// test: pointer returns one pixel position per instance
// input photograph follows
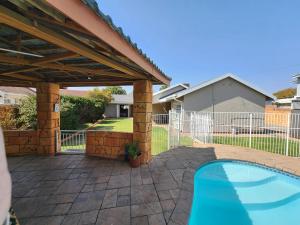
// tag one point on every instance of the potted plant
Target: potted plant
(134, 155)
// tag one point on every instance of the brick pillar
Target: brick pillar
(48, 120)
(142, 117)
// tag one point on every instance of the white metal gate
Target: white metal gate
(174, 129)
(202, 127)
(71, 141)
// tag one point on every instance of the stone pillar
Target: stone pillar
(48, 121)
(142, 117)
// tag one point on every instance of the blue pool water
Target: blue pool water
(237, 193)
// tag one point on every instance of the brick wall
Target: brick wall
(107, 144)
(20, 142)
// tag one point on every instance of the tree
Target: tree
(27, 117)
(100, 97)
(116, 90)
(285, 93)
(162, 87)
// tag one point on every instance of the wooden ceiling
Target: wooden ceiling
(39, 43)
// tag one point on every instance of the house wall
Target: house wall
(111, 110)
(105, 144)
(20, 142)
(226, 95)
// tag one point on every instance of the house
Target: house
(120, 106)
(13, 95)
(159, 105)
(227, 93)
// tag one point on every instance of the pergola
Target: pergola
(53, 44)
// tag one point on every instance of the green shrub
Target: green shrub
(74, 110)
(27, 115)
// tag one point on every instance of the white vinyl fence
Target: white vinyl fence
(273, 132)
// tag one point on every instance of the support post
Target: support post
(48, 117)
(142, 117)
(288, 134)
(250, 131)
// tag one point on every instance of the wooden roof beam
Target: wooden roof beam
(89, 20)
(20, 22)
(37, 64)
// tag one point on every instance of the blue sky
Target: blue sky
(196, 40)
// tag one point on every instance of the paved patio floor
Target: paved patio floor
(74, 189)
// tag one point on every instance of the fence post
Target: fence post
(179, 128)
(250, 131)
(169, 130)
(288, 134)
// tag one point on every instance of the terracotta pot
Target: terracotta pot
(134, 163)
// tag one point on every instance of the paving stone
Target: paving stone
(72, 219)
(136, 178)
(71, 186)
(87, 188)
(100, 186)
(123, 200)
(157, 219)
(110, 199)
(167, 215)
(27, 207)
(143, 194)
(64, 198)
(175, 193)
(142, 220)
(87, 201)
(53, 210)
(88, 217)
(164, 195)
(167, 205)
(53, 220)
(145, 209)
(118, 181)
(124, 191)
(114, 216)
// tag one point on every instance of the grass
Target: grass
(269, 144)
(159, 134)
(120, 124)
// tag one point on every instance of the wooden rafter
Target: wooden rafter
(18, 21)
(38, 64)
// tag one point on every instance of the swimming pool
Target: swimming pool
(240, 193)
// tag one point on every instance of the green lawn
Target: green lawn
(159, 134)
(120, 124)
(269, 144)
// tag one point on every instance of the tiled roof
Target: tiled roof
(17, 90)
(77, 93)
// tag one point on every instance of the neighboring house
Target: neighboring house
(159, 105)
(283, 103)
(13, 95)
(120, 106)
(227, 93)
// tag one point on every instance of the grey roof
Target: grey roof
(122, 99)
(94, 6)
(228, 75)
(209, 82)
(157, 96)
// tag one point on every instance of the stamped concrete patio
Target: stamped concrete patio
(74, 189)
